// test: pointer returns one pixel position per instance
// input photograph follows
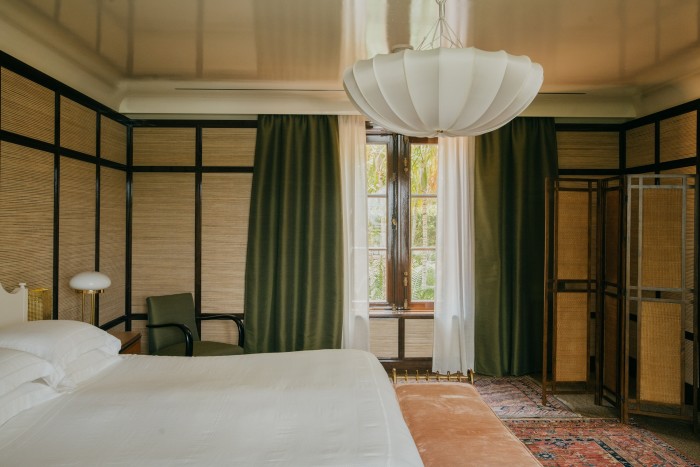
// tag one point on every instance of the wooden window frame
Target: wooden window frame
(398, 242)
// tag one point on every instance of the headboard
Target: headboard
(13, 306)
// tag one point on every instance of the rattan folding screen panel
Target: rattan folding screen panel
(571, 285)
(609, 330)
(660, 318)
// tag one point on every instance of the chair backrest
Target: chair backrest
(177, 308)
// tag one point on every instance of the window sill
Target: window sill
(388, 313)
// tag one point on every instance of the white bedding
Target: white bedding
(314, 408)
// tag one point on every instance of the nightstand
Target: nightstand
(131, 341)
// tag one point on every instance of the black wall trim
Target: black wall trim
(198, 226)
(32, 143)
(662, 115)
(192, 168)
(128, 220)
(227, 169)
(98, 178)
(576, 172)
(56, 201)
(20, 140)
(113, 323)
(157, 168)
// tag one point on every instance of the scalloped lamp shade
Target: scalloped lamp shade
(443, 91)
(90, 281)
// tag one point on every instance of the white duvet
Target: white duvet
(314, 408)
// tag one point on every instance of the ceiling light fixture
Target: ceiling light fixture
(443, 91)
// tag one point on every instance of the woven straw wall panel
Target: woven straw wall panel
(228, 146)
(633, 237)
(419, 338)
(112, 140)
(164, 146)
(690, 238)
(571, 345)
(26, 217)
(681, 170)
(140, 326)
(678, 136)
(612, 236)
(78, 127)
(225, 207)
(162, 236)
(660, 352)
(610, 351)
(640, 146)
(572, 235)
(689, 225)
(384, 337)
(26, 108)
(76, 232)
(661, 235)
(588, 150)
(113, 241)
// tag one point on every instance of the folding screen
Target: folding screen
(571, 287)
(660, 309)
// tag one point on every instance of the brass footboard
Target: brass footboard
(429, 376)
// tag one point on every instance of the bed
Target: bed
(68, 399)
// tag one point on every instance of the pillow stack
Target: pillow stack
(40, 359)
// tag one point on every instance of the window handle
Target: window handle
(405, 290)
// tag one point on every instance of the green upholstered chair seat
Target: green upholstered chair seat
(203, 349)
(172, 322)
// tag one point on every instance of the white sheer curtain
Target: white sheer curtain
(351, 135)
(453, 343)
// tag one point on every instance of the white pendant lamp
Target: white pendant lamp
(444, 91)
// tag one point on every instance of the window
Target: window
(402, 220)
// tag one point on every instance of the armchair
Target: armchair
(172, 329)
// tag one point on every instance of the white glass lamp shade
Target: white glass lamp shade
(90, 281)
(443, 91)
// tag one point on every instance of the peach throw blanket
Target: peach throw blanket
(453, 426)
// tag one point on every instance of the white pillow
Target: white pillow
(60, 342)
(17, 367)
(85, 367)
(24, 397)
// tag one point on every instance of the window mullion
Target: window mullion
(403, 207)
(393, 230)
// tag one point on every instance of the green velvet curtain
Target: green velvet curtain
(510, 170)
(293, 291)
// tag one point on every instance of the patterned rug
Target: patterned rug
(520, 397)
(595, 442)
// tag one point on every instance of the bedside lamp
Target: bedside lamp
(89, 283)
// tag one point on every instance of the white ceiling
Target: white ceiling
(616, 59)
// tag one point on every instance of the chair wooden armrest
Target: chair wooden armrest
(189, 345)
(234, 318)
